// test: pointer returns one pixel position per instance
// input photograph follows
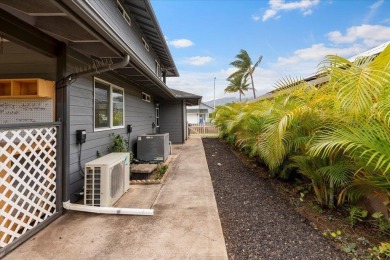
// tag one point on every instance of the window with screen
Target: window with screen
(108, 106)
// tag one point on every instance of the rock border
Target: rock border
(169, 161)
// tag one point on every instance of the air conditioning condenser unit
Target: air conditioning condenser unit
(106, 179)
(153, 147)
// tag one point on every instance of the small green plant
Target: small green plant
(120, 144)
(161, 169)
(98, 155)
(356, 215)
(334, 235)
(382, 224)
(363, 241)
(349, 248)
(382, 251)
(316, 207)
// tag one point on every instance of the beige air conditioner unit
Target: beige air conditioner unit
(106, 179)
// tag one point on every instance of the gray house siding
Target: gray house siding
(108, 10)
(75, 102)
(171, 120)
(138, 113)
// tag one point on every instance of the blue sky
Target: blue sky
(293, 36)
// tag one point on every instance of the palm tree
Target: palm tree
(238, 84)
(336, 135)
(245, 67)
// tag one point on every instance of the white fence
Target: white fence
(206, 129)
(28, 180)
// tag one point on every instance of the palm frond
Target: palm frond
(369, 142)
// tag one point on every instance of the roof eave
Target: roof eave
(158, 28)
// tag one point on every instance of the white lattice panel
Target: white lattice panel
(16, 111)
(27, 180)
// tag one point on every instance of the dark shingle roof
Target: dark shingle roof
(191, 99)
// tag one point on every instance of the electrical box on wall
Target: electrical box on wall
(81, 136)
(129, 129)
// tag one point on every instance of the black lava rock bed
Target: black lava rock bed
(257, 222)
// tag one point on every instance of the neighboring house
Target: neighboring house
(94, 65)
(318, 80)
(199, 114)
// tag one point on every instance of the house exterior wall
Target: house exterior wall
(138, 113)
(171, 120)
(192, 118)
(76, 100)
(195, 112)
(108, 10)
(203, 106)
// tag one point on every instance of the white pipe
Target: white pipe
(108, 210)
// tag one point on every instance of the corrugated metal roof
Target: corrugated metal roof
(370, 52)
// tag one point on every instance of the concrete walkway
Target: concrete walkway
(186, 224)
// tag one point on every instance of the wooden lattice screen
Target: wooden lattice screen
(27, 180)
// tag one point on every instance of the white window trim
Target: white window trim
(112, 86)
(146, 45)
(157, 117)
(123, 12)
(148, 99)
(158, 68)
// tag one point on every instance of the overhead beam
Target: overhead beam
(64, 27)
(27, 35)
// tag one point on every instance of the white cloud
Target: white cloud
(316, 53)
(355, 40)
(199, 60)
(305, 6)
(202, 83)
(181, 43)
(256, 18)
(305, 62)
(369, 35)
(269, 14)
(372, 10)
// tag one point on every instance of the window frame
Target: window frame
(111, 106)
(123, 12)
(147, 97)
(158, 68)
(157, 116)
(146, 45)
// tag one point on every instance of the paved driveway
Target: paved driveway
(186, 224)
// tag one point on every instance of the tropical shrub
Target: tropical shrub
(120, 144)
(337, 135)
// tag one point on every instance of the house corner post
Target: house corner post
(62, 114)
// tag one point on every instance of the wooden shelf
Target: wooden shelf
(26, 88)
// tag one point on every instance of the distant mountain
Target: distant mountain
(223, 101)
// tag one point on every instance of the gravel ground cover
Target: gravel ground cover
(257, 222)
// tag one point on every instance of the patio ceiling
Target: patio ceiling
(54, 18)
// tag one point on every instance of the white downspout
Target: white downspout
(108, 210)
